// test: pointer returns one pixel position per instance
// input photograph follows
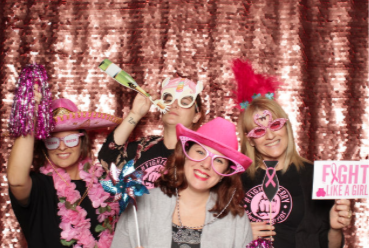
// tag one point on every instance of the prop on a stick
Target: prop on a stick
(24, 114)
(125, 185)
(270, 184)
(260, 243)
(126, 80)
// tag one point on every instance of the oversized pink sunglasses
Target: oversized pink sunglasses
(220, 164)
(273, 125)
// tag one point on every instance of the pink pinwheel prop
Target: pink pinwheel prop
(125, 185)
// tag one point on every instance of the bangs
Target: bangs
(261, 104)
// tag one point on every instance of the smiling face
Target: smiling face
(64, 156)
(200, 175)
(273, 145)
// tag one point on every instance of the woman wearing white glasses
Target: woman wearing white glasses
(198, 199)
(150, 153)
(54, 186)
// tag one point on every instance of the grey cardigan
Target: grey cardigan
(155, 224)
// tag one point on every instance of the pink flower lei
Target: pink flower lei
(74, 225)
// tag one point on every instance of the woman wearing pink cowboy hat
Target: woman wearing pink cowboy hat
(151, 153)
(54, 186)
(198, 199)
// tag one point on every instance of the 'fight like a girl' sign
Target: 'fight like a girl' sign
(341, 180)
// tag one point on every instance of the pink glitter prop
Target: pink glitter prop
(260, 243)
(23, 116)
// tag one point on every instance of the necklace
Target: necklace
(199, 227)
(52, 165)
(87, 189)
(75, 226)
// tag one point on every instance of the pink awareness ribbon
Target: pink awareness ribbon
(334, 170)
(270, 177)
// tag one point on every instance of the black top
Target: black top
(149, 153)
(185, 238)
(314, 226)
(287, 205)
(39, 219)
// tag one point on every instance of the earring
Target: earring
(220, 179)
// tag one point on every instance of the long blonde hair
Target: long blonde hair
(246, 124)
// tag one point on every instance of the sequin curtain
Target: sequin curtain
(318, 48)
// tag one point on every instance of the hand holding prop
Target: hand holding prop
(25, 115)
(126, 80)
(270, 184)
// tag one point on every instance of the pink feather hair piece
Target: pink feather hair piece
(250, 84)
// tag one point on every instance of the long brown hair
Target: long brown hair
(172, 177)
(246, 124)
(40, 150)
(201, 111)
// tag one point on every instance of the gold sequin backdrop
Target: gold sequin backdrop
(318, 48)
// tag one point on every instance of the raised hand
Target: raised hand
(141, 105)
(37, 95)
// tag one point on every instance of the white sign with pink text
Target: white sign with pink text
(341, 180)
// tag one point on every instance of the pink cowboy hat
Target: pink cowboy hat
(220, 135)
(68, 118)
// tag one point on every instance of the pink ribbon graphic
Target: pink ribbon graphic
(334, 170)
(270, 177)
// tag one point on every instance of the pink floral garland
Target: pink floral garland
(75, 227)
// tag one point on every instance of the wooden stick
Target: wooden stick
(270, 216)
(138, 233)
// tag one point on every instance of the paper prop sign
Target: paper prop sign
(126, 80)
(270, 182)
(341, 180)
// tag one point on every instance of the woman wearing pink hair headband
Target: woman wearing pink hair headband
(278, 184)
(150, 153)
